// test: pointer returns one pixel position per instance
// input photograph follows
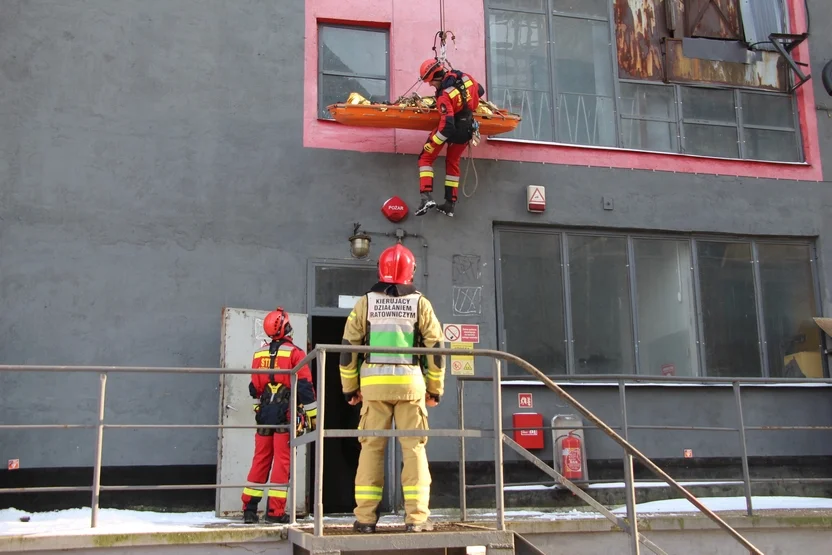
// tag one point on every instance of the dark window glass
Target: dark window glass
(729, 312)
(792, 337)
(518, 76)
(601, 321)
(333, 281)
(666, 308)
(351, 60)
(532, 288)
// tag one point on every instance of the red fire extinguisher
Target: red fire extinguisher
(571, 458)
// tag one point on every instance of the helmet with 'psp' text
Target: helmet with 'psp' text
(431, 69)
(276, 324)
(396, 265)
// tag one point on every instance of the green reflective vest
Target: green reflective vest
(392, 322)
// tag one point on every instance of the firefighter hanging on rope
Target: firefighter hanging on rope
(457, 98)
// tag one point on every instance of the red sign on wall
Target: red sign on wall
(524, 400)
(470, 333)
(14, 464)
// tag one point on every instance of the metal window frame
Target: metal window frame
(322, 73)
(681, 143)
(700, 368)
(613, 60)
(487, 9)
(498, 231)
(816, 290)
(312, 309)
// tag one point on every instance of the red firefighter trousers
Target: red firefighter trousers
(429, 155)
(270, 453)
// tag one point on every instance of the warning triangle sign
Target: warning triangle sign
(468, 366)
(537, 196)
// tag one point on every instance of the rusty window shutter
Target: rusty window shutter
(716, 19)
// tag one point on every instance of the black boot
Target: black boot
(447, 208)
(277, 519)
(364, 528)
(250, 517)
(427, 204)
(424, 527)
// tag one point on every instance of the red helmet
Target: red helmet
(276, 324)
(430, 70)
(396, 265)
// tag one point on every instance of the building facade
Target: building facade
(160, 161)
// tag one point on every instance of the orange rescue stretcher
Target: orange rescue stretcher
(417, 113)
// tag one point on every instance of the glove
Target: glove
(431, 399)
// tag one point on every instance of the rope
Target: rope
(469, 165)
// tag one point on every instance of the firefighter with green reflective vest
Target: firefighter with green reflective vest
(392, 386)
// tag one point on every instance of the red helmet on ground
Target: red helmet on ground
(396, 265)
(430, 70)
(276, 324)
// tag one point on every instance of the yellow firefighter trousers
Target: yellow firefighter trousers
(369, 479)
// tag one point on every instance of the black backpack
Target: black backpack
(275, 399)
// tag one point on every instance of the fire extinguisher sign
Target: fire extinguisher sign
(524, 400)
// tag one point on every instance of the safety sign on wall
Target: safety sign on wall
(462, 336)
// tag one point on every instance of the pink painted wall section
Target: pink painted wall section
(412, 27)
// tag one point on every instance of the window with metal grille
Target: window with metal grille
(352, 59)
(555, 63)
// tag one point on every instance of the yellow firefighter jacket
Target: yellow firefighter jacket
(392, 315)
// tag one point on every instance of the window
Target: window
(554, 63)
(656, 304)
(666, 307)
(729, 310)
(600, 295)
(351, 59)
(539, 333)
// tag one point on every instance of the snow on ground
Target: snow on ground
(109, 521)
(730, 504)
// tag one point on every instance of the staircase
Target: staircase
(458, 539)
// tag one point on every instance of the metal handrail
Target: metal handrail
(630, 450)
(319, 354)
(622, 381)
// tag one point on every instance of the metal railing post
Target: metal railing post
(746, 474)
(99, 444)
(293, 450)
(463, 501)
(629, 484)
(498, 446)
(319, 446)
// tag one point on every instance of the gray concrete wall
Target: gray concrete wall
(151, 172)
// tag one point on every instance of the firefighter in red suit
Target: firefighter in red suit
(271, 446)
(457, 98)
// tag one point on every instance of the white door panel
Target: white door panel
(242, 335)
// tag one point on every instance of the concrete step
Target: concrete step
(445, 540)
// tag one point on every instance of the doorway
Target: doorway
(340, 454)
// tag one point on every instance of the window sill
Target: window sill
(680, 155)
(646, 381)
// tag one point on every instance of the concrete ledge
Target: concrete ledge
(768, 520)
(93, 540)
(776, 526)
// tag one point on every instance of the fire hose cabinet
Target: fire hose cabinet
(524, 429)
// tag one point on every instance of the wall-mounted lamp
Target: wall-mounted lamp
(359, 242)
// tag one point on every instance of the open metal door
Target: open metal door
(242, 335)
